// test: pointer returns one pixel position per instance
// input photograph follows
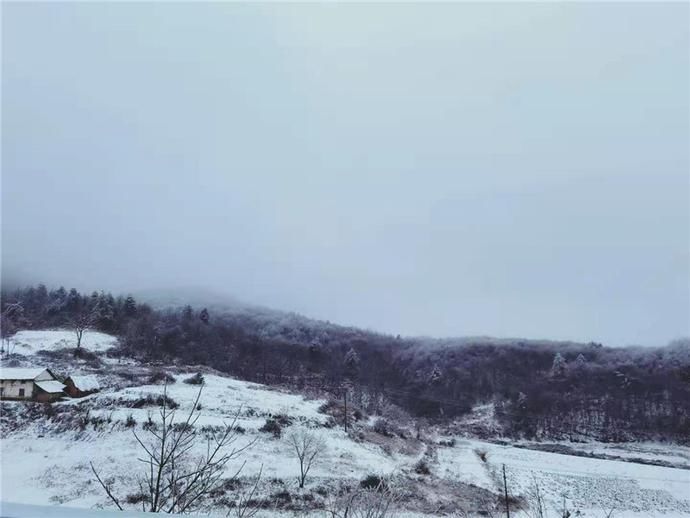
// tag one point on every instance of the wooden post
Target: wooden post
(505, 491)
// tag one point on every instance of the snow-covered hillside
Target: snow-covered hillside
(46, 453)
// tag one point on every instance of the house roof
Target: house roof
(52, 387)
(85, 383)
(16, 374)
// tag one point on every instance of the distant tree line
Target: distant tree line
(538, 388)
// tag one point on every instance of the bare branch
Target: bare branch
(106, 487)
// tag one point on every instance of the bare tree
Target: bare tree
(364, 503)
(307, 447)
(81, 322)
(245, 506)
(174, 479)
(11, 315)
(535, 496)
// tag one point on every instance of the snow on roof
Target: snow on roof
(86, 383)
(20, 374)
(50, 386)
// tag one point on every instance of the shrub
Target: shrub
(98, 422)
(180, 427)
(283, 420)
(373, 481)
(136, 498)
(151, 400)
(130, 422)
(482, 454)
(83, 420)
(149, 425)
(328, 407)
(422, 468)
(197, 379)
(160, 377)
(48, 410)
(450, 443)
(282, 497)
(384, 427)
(272, 426)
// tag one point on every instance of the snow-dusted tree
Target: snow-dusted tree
(436, 375)
(81, 322)
(73, 302)
(580, 361)
(175, 479)
(559, 365)
(351, 362)
(103, 311)
(12, 315)
(307, 447)
(204, 316)
(129, 307)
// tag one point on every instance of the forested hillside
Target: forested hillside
(538, 388)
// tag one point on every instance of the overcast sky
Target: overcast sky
(508, 170)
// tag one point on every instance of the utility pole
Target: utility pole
(345, 400)
(505, 491)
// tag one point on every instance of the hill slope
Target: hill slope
(49, 448)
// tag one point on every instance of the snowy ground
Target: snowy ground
(30, 342)
(45, 465)
(585, 483)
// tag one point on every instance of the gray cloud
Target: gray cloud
(514, 170)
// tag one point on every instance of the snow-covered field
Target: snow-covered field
(30, 342)
(585, 483)
(44, 466)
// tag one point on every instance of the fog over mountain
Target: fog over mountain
(442, 170)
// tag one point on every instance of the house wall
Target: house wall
(44, 397)
(71, 390)
(12, 389)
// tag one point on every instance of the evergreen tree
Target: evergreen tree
(436, 375)
(559, 364)
(351, 363)
(130, 306)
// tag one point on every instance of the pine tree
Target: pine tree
(580, 361)
(559, 364)
(130, 306)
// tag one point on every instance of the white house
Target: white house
(33, 383)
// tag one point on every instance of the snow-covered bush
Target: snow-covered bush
(197, 379)
(151, 400)
(373, 481)
(273, 427)
(161, 377)
(422, 467)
